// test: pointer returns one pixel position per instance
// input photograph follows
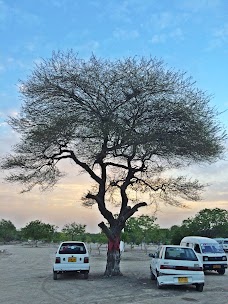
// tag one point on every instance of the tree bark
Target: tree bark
(113, 258)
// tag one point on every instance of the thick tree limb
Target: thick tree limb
(131, 211)
(106, 230)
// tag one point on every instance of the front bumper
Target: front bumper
(215, 266)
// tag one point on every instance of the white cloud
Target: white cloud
(125, 34)
(222, 33)
(177, 34)
(162, 37)
(220, 36)
(197, 6)
(165, 20)
(13, 63)
(159, 38)
(5, 12)
(2, 68)
(13, 13)
(88, 47)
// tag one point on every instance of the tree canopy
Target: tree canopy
(212, 223)
(74, 230)
(37, 230)
(7, 230)
(208, 222)
(141, 229)
(126, 123)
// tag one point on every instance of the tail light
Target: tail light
(57, 260)
(86, 260)
(196, 268)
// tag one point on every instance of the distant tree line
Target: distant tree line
(138, 230)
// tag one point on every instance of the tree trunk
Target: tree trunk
(113, 258)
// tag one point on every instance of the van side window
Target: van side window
(197, 248)
(187, 244)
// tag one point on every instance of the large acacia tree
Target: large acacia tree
(126, 123)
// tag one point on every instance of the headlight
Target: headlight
(224, 258)
(205, 258)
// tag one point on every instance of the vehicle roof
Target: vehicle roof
(72, 242)
(200, 239)
(178, 246)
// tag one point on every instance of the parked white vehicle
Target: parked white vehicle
(71, 256)
(209, 252)
(220, 241)
(177, 265)
(225, 244)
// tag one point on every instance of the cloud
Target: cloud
(90, 46)
(176, 35)
(5, 12)
(14, 13)
(125, 34)
(13, 63)
(159, 38)
(219, 37)
(59, 207)
(166, 26)
(198, 6)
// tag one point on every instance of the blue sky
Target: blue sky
(190, 35)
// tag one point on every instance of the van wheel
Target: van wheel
(199, 287)
(54, 275)
(221, 271)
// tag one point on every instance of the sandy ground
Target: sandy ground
(26, 277)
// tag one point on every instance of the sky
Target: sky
(189, 35)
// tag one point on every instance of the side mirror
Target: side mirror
(151, 255)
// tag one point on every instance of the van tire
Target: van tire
(221, 271)
(199, 287)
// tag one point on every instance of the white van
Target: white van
(225, 244)
(209, 251)
(219, 240)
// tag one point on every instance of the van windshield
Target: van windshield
(211, 248)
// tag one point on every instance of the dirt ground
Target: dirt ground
(26, 277)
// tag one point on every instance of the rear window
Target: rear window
(174, 253)
(72, 248)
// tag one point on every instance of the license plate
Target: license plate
(216, 266)
(73, 259)
(182, 280)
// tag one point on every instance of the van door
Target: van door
(197, 248)
(198, 251)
